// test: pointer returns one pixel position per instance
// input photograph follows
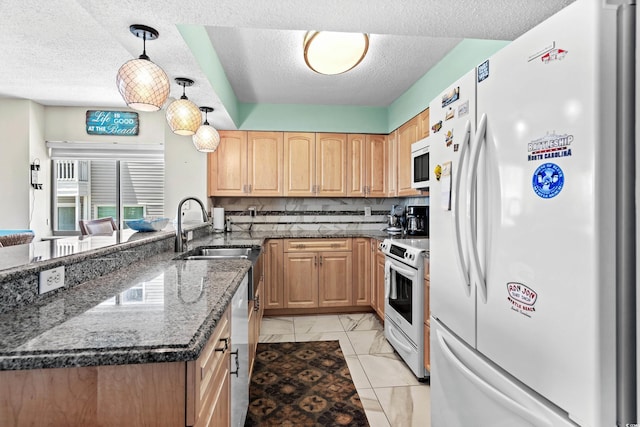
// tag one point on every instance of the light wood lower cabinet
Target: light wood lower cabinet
(273, 274)
(377, 278)
(256, 311)
(317, 273)
(361, 256)
(158, 394)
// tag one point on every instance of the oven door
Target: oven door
(404, 299)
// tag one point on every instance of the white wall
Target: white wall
(14, 164)
(39, 200)
(185, 173)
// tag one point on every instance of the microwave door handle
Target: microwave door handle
(457, 211)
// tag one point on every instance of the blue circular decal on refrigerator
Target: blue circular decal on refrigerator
(548, 180)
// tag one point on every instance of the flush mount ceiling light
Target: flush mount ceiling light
(143, 85)
(183, 116)
(327, 52)
(206, 138)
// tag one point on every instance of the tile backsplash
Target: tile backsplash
(319, 213)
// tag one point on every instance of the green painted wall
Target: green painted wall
(198, 41)
(464, 57)
(329, 118)
(314, 118)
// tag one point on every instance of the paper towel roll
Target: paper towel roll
(218, 219)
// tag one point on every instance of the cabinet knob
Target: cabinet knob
(320, 259)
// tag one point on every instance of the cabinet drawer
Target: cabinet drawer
(314, 245)
(203, 374)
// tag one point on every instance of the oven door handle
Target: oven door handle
(390, 288)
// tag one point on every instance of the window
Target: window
(90, 189)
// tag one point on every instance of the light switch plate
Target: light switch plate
(367, 211)
(51, 279)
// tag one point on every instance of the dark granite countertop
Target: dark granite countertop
(154, 310)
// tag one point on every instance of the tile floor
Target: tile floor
(390, 393)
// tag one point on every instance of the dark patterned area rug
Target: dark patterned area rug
(303, 384)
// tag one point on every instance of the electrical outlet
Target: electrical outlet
(367, 211)
(252, 211)
(51, 279)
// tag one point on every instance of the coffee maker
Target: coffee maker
(417, 220)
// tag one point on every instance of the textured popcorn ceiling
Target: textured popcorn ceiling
(67, 52)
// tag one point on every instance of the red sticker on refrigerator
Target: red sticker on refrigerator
(522, 298)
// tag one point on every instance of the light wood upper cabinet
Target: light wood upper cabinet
(331, 164)
(392, 162)
(315, 164)
(367, 165)
(408, 133)
(423, 122)
(228, 165)
(265, 154)
(247, 163)
(299, 164)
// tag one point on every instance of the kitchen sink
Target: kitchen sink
(217, 253)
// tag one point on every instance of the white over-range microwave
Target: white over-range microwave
(420, 164)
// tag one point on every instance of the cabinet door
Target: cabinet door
(361, 281)
(373, 283)
(407, 135)
(228, 165)
(273, 274)
(392, 162)
(334, 279)
(380, 283)
(301, 280)
(299, 164)
(331, 164)
(357, 170)
(265, 153)
(423, 122)
(376, 162)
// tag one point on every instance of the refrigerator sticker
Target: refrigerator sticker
(437, 171)
(554, 54)
(450, 96)
(456, 147)
(436, 128)
(522, 298)
(463, 109)
(483, 71)
(548, 180)
(550, 146)
(450, 114)
(445, 190)
(448, 139)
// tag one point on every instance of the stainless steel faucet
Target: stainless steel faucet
(181, 237)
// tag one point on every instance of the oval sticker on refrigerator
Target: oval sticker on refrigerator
(548, 180)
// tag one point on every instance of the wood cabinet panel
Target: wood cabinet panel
(265, 163)
(380, 259)
(361, 281)
(376, 165)
(357, 154)
(334, 279)
(301, 280)
(423, 122)
(408, 133)
(392, 170)
(228, 165)
(331, 164)
(273, 274)
(299, 164)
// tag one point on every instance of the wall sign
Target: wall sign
(122, 123)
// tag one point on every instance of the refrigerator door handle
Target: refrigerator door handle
(490, 390)
(460, 252)
(472, 193)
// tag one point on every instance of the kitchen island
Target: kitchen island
(153, 318)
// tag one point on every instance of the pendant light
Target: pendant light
(143, 85)
(206, 138)
(183, 116)
(327, 52)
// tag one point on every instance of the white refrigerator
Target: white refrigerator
(532, 230)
